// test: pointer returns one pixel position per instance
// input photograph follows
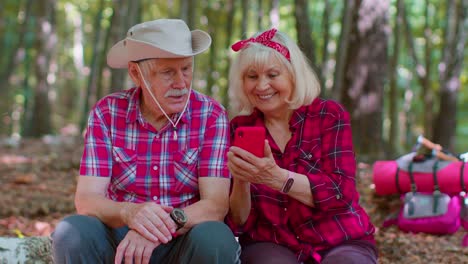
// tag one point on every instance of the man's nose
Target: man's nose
(179, 80)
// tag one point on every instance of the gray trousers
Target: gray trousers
(84, 239)
(350, 252)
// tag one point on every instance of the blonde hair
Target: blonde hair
(304, 79)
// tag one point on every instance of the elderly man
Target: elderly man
(153, 184)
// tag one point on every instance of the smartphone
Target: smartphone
(251, 139)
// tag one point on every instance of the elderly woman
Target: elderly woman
(298, 203)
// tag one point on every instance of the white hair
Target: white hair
(304, 79)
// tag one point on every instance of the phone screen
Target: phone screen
(251, 139)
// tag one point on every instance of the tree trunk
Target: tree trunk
(427, 94)
(213, 20)
(230, 9)
(40, 123)
(102, 89)
(274, 14)
(183, 14)
(12, 57)
(25, 250)
(450, 69)
(324, 71)
(91, 88)
(245, 18)
(366, 68)
(304, 32)
(342, 54)
(119, 30)
(393, 138)
(421, 71)
(192, 8)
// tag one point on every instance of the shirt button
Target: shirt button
(155, 197)
(155, 167)
(338, 196)
(297, 237)
(285, 209)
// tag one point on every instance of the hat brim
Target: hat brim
(119, 55)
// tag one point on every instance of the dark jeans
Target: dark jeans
(84, 239)
(350, 252)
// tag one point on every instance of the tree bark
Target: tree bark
(304, 32)
(259, 15)
(427, 94)
(25, 250)
(213, 20)
(230, 10)
(393, 138)
(324, 66)
(40, 123)
(274, 13)
(422, 72)
(449, 70)
(366, 68)
(91, 88)
(342, 54)
(119, 30)
(245, 18)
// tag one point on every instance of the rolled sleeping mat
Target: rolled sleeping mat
(452, 176)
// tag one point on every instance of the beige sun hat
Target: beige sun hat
(161, 38)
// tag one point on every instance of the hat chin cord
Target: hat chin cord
(174, 124)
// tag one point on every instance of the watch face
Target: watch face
(178, 215)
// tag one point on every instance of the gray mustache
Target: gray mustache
(176, 92)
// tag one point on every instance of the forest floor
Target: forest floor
(38, 178)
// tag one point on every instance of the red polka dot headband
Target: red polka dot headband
(265, 40)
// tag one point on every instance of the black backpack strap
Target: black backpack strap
(436, 193)
(397, 180)
(435, 167)
(413, 183)
(462, 177)
(409, 195)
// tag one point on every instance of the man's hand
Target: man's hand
(135, 248)
(150, 220)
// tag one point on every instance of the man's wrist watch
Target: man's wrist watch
(179, 217)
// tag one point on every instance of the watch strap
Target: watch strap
(288, 182)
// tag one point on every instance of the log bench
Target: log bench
(25, 250)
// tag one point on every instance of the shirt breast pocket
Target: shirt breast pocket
(124, 168)
(185, 170)
(308, 159)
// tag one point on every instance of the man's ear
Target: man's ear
(134, 73)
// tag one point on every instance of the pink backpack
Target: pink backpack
(432, 213)
(464, 209)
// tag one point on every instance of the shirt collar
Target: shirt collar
(297, 118)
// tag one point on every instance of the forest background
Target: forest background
(398, 66)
